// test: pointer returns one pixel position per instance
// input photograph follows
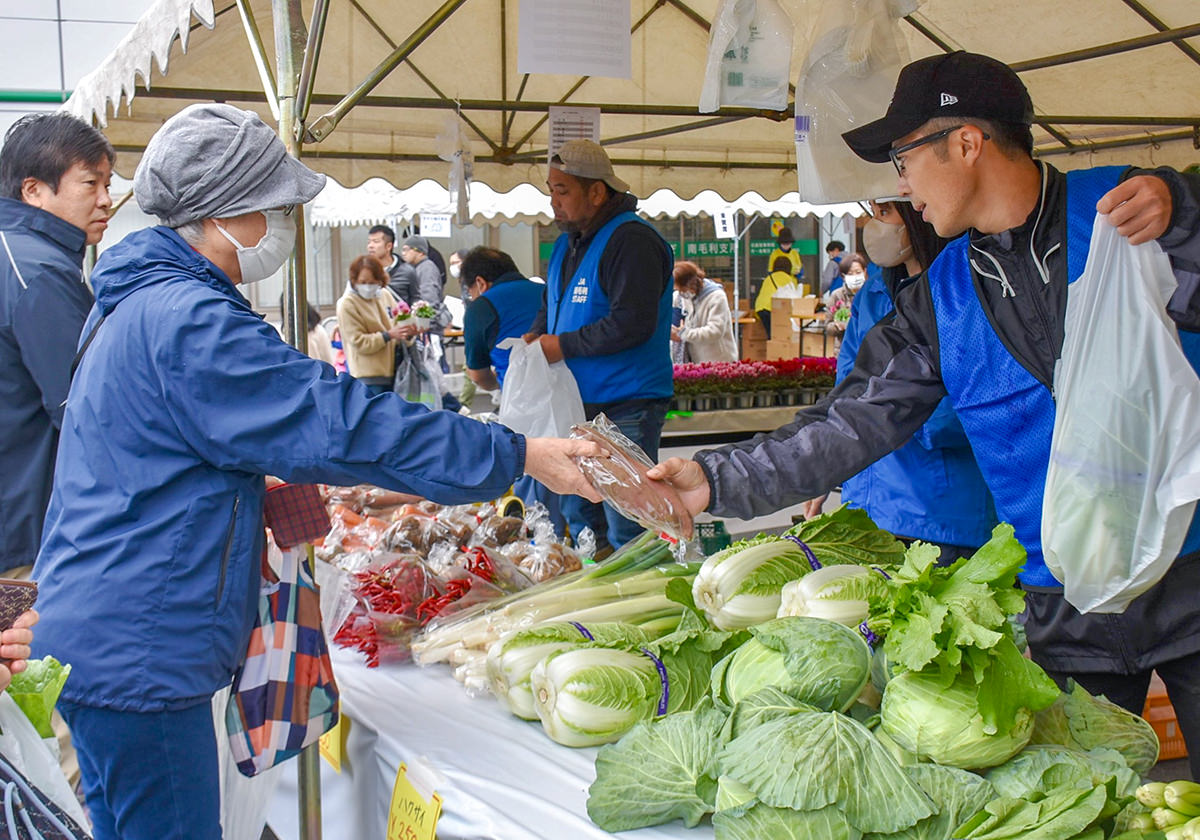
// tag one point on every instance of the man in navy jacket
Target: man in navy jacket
(54, 176)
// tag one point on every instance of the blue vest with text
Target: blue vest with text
(1007, 413)
(517, 303)
(640, 372)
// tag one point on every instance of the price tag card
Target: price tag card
(333, 743)
(413, 814)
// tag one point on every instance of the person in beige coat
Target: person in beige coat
(364, 318)
(707, 328)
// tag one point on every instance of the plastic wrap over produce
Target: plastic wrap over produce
(621, 480)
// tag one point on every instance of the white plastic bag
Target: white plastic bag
(749, 56)
(846, 80)
(1124, 472)
(24, 749)
(539, 399)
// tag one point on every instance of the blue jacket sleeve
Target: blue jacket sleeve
(245, 400)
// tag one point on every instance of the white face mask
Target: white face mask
(855, 280)
(264, 259)
(887, 245)
(367, 290)
(455, 270)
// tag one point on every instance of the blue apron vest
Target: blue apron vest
(517, 302)
(1007, 414)
(641, 372)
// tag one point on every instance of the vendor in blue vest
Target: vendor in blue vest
(984, 326)
(607, 312)
(502, 303)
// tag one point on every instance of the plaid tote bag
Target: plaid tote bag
(284, 696)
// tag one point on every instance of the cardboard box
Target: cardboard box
(754, 349)
(794, 307)
(785, 348)
(755, 331)
(815, 343)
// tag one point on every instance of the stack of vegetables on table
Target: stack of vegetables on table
(402, 565)
(825, 683)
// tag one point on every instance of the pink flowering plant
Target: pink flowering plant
(749, 376)
(401, 312)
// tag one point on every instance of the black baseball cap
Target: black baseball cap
(957, 84)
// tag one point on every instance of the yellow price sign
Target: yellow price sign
(333, 742)
(412, 816)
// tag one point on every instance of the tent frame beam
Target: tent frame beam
(321, 129)
(1153, 20)
(1154, 39)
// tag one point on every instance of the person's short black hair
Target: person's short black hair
(388, 233)
(835, 245)
(1012, 139)
(488, 263)
(45, 146)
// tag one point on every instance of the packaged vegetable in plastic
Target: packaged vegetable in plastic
(415, 532)
(621, 480)
(36, 690)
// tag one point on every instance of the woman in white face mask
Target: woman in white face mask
(837, 311)
(707, 328)
(365, 319)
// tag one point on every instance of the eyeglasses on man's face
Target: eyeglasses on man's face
(896, 153)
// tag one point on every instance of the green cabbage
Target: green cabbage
(1037, 769)
(818, 662)
(811, 760)
(763, 821)
(660, 771)
(957, 795)
(1081, 721)
(943, 724)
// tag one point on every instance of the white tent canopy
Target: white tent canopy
(1111, 80)
(377, 201)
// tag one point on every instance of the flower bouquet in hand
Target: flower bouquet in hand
(401, 314)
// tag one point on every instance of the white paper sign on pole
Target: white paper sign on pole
(726, 224)
(567, 123)
(575, 37)
(435, 225)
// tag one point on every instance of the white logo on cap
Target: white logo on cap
(948, 99)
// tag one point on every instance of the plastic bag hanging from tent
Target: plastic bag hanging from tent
(452, 146)
(749, 56)
(1124, 472)
(846, 80)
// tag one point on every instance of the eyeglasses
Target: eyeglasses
(895, 153)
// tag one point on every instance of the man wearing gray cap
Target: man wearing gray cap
(183, 400)
(607, 311)
(430, 281)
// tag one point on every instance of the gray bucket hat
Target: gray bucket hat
(214, 161)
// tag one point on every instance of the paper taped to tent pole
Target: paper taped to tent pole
(749, 56)
(1124, 472)
(846, 80)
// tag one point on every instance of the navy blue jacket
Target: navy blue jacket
(506, 310)
(184, 400)
(43, 303)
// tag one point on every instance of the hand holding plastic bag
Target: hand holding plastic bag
(539, 399)
(1124, 472)
(621, 480)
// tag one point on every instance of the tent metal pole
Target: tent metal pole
(1153, 20)
(289, 34)
(312, 52)
(1166, 36)
(1149, 139)
(326, 124)
(259, 53)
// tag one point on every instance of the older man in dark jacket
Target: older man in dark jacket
(54, 177)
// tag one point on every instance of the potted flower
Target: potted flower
(425, 314)
(401, 314)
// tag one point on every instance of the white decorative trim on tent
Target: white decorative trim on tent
(150, 38)
(376, 201)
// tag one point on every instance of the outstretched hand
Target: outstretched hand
(689, 482)
(551, 461)
(1138, 207)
